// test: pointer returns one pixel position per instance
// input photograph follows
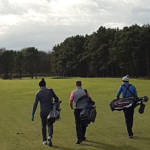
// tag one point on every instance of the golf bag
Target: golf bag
(123, 103)
(88, 115)
(54, 114)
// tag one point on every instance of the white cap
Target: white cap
(125, 78)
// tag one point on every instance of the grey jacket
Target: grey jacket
(45, 97)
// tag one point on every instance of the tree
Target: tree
(31, 61)
(20, 63)
(7, 63)
(68, 56)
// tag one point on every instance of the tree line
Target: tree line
(29, 62)
(105, 53)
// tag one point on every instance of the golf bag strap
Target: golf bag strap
(54, 95)
(127, 89)
(85, 91)
(85, 96)
(90, 100)
(82, 97)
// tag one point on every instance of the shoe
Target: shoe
(50, 142)
(79, 141)
(131, 136)
(84, 138)
(44, 142)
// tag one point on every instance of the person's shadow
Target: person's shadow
(99, 145)
(106, 146)
(63, 148)
(147, 139)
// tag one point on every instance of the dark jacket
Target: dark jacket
(45, 97)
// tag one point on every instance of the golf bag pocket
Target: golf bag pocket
(53, 115)
(84, 117)
(141, 109)
(93, 114)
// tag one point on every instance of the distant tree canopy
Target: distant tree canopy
(105, 53)
(27, 62)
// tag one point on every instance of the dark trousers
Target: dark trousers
(46, 123)
(80, 128)
(128, 113)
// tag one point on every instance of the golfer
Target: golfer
(128, 90)
(45, 97)
(77, 94)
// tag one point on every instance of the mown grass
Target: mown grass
(107, 133)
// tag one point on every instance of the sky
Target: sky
(46, 23)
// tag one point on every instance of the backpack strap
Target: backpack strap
(127, 89)
(90, 100)
(54, 95)
(82, 97)
(85, 91)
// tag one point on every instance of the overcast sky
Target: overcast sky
(45, 23)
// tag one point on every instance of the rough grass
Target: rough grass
(107, 133)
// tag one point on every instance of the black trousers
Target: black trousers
(128, 113)
(80, 128)
(45, 124)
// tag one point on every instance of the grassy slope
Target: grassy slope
(107, 133)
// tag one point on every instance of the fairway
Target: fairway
(18, 132)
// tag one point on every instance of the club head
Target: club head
(145, 98)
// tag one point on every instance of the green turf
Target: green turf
(107, 133)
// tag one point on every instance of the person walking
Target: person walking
(80, 98)
(45, 97)
(127, 90)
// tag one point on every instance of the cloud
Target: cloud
(44, 23)
(41, 36)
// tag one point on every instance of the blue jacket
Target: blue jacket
(131, 92)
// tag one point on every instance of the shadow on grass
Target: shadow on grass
(63, 148)
(142, 138)
(98, 145)
(106, 146)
